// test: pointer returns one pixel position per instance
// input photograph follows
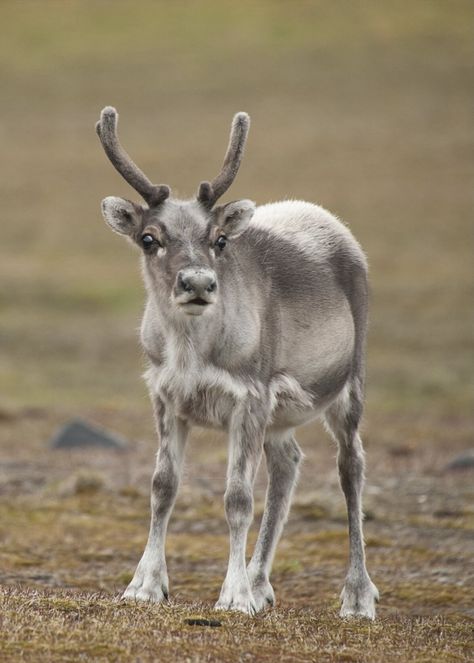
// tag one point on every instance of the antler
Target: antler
(209, 192)
(106, 129)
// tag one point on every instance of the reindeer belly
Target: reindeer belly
(315, 360)
(293, 405)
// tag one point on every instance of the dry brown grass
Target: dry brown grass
(57, 626)
(361, 106)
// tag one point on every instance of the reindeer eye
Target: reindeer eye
(220, 242)
(148, 241)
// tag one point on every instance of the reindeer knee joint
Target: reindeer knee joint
(164, 488)
(294, 453)
(284, 459)
(238, 502)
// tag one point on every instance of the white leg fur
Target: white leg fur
(359, 594)
(245, 448)
(150, 582)
(283, 457)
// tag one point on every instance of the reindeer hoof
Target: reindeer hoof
(358, 599)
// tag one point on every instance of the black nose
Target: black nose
(184, 284)
(196, 281)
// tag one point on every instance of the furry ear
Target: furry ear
(123, 216)
(234, 217)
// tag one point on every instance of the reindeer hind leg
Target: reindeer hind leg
(342, 418)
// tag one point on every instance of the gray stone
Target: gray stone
(78, 433)
(464, 461)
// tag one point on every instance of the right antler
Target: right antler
(106, 129)
(209, 192)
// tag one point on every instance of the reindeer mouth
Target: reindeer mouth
(194, 303)
(195, 306)
(199, 301)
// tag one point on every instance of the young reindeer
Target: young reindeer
(255, 323)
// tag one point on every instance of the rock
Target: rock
(78, 433)
(464, 461)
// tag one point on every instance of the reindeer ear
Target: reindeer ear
(234, 218)
(123, 216)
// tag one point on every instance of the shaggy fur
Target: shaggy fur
(255, 323)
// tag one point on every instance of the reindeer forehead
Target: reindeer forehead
(180, 219)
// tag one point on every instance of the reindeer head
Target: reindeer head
(184, 243)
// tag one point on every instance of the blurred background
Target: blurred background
(364, 107)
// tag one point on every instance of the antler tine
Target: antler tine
(210, 192)
(106, 129)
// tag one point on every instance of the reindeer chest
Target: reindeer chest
(201, 393)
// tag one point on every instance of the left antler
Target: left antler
(210, 192)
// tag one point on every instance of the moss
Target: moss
(124, 578)
(131, 492)
(288, 566)
(462, 521)
(310, 511)
(434, 594)
(378, 542)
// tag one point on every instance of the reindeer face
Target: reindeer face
(184, 246)
(182, 242)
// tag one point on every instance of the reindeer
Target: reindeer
(255, 323)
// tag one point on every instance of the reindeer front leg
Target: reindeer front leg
(150, 582)
(245, 450)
